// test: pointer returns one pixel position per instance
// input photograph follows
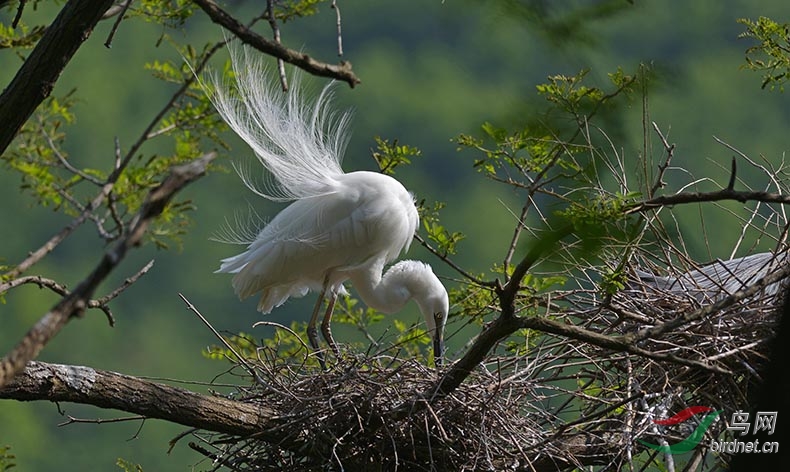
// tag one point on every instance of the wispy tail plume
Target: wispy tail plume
(300, 143)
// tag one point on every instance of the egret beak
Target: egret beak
(438, 340)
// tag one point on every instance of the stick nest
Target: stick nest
(556, 404)
(367, 413)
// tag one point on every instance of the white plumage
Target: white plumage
(339, 227)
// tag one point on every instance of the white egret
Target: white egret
(340, 226)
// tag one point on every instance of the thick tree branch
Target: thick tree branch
(37, 76)
(506, 324)
(499, 329)
(77, 384)
(340, 71)
(75, 303)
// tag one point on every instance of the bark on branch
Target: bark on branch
(37, 76)
(77, 384)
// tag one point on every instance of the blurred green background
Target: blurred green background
(430, 71)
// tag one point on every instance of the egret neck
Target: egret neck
(404, 281)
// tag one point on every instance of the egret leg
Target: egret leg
(312, 333)
(326, 328)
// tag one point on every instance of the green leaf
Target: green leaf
(128, 466)
(445, 240)
(7, 459)
(771, 54)
(389, 155)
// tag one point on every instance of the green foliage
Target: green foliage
(772, 55)
(600, 221)
(535, 285)
(446, 241)
(572, 95)
(21, 37)
(128, 466)
(570, 92)
(166, 71)
(39, 156)
(348, 311)
(527, 150)
(290, 9)
(49, 174)
(288, 347)
(534, 290)
(169, 13)
(562, 165)
(7, 459)
(592, 214)
(472, 301)
(547, 147)
(391, 155)
(411, 340)
(612, 280)
(523, 341)
(242, 343)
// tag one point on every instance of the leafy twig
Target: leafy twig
(75, 303)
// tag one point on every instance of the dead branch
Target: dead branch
(100, 303)
(120, 10)
(716, 196)
(340, 71)
(42, 282)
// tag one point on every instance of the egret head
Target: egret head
(407, 280)
(432, 299)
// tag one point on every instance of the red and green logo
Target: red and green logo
(694, 438)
